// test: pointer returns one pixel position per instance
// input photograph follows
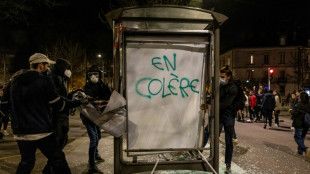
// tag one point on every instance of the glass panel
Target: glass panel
(164, 25)
(167, 12)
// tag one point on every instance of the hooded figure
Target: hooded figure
(98, 94)
(94, 86)
(60, 73)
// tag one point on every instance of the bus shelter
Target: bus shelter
(165, 57)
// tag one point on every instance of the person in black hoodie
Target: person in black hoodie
(268, 105)
(228, 111)
(30, 96)
(301, 128)
(98, 94)
(60, 74)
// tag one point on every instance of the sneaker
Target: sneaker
(228, 170)
(249, 121)
(276, 125)
(99, 159)
(92, 169)
(234, 140)
(298, 154)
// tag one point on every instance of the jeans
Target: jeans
(252, 113)
(258, 112)
(61, 127)
(299, 139)
(276, 116)
(228, 123)
(94, 135)
(268, 115)
(49, 147)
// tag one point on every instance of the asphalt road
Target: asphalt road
(268, 151)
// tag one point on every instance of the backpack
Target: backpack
(240, 98)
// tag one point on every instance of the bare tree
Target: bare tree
(19, 11)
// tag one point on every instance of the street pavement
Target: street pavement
(258, 150)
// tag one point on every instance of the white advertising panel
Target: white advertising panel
(164, 84)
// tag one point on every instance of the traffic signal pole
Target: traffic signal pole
(268, 78)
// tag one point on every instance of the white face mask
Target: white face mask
(222, 81)
(68, 73)
(94, 79)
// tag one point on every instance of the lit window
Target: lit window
(252, 59)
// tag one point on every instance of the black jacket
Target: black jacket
(268, 102)
(298, 115)
(228, 93)
(60, 81)
(97, 91)
(30, 97)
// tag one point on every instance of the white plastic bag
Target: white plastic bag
(112, 119)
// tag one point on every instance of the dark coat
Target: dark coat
(60, 81)
(57, 74)
(228, 93)
(298, 115)
(30, 96)
(268, 102)
(96, 91)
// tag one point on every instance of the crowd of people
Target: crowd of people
(37, 103)
(261, 104)
(266, 104)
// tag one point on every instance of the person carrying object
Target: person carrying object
(98, 94)
(60, 73)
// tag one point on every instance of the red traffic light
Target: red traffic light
(271, 71)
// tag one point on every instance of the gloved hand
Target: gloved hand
(84, 101)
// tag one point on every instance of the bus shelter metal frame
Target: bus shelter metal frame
(117, 20)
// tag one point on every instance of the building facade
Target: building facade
(251, 65)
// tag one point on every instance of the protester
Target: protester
(277, 107)
(295, 96)
(298, 116)
(258, 108)
(268, 105)
(228, 93)
(60, 74)
(252, 105)
(30, 96)
(243, 113)
(246, 111)
(99, 94)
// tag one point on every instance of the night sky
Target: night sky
(251, 23)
